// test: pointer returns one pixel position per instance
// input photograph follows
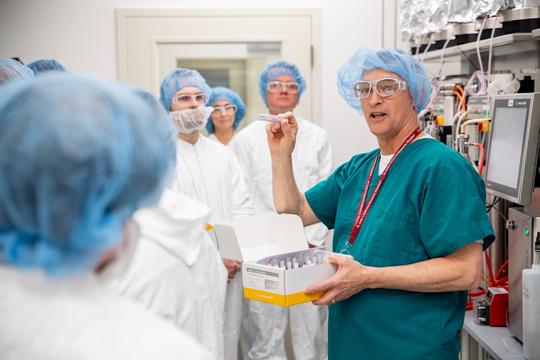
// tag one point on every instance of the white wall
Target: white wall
(81, 35)
(346, 26)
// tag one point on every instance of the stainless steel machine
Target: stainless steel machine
(523, 227)
(511, 174)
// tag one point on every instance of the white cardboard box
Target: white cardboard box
(254, 240)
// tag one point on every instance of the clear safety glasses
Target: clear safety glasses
(384, 87)
(229, 109)
(188, 99)
(277, 86)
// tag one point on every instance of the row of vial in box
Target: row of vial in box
(296, 260)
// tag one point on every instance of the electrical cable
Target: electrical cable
(500, 213)
(495, 280)
(473, 121)
(441, 61)
(491, 40)
(436, 87)
(477, 293)
(460, 118)
(467, 57)
(503, 267)
(490, 206)
(490, 51)
(478, 44)
(482, 157)
(427, 49)
(479, 75)
(461, 99)
(491, 277)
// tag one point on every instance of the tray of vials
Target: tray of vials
(281, 279)
(296, 259)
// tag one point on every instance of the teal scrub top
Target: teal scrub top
(431, 204)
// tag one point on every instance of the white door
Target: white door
(230, 47)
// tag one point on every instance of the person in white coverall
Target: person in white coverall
(168, 271)
(209, 172)
(281, 86)
(77, 157)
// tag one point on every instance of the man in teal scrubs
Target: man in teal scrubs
(411, 213)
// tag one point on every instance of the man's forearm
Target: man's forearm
(435, 275)
(287, 197)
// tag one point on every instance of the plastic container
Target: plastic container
(531, 312)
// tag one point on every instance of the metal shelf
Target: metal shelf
(497, 341)
(500, 41)
(536, 34)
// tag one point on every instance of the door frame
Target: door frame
(157, 41)
(314, 13)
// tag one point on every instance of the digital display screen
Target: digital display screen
(506, 149)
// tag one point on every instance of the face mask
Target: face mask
(191, 120)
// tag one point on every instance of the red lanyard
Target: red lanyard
(364, 208)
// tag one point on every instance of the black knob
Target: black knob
(510, 225)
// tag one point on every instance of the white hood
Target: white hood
(178, 224)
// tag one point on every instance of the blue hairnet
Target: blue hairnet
(177, 80)
(77, 157)
(276, 69)
(12, 70)
(164, 125)
(222, 93)
(393, 60)
(43, 66)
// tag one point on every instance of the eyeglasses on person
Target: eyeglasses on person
(385, 87)
(229, 109)
(277, 86)
(188, 99)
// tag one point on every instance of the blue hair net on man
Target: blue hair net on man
(393, 60)
(44, 66)
(177, 80)
(223, 93)
(276, 69)
(12, 70)
(77, 157)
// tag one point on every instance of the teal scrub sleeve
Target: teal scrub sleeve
(323, 198)
(454, 207)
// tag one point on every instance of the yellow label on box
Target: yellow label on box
(278, 299)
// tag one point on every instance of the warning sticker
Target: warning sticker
(262, 272)
(261, 279)
(271, 284)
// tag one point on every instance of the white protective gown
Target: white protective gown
(168, 272)
(209, 172)
(213, 137)
(264, 324)
(77, 318)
